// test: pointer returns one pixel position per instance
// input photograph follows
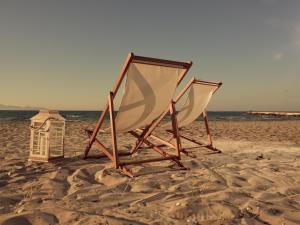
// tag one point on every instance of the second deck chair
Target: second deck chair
(149, 89)
(200, 93)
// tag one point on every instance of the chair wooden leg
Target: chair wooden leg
(137, 144)
(151, 128)
(160, 151)
(208, 146)
(207, 128)
(95, 132)
(175, 129)
(164, 142)
(113, 130)
(126, 171)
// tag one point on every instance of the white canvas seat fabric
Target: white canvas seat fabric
(197, 101)
(148, 91)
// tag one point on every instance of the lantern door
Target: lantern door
(56, 140)
(39, 145)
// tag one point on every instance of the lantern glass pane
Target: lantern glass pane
(35, 146)
(43, 145)
(39, 145)
(56, 139)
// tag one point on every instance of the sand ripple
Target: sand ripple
(235, 187)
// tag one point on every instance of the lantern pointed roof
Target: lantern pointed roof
(47, 114)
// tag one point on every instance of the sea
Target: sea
(11, 115)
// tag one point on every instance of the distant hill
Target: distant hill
(11, 107)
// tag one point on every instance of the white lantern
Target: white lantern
(47, 136)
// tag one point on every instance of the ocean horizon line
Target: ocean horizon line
(76, 115)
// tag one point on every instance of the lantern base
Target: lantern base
(43, 159)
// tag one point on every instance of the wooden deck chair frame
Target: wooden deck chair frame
(109, 108)
(204, 116)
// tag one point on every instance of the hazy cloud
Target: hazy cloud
(277, 56)
(270, 2)
(297, 34)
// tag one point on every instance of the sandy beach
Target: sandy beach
(256, 180)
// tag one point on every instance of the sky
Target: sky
(60, 54)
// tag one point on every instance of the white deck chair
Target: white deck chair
(200, 93)
(149, 89)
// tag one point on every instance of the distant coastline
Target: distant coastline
(12, 107)
(272, 113)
